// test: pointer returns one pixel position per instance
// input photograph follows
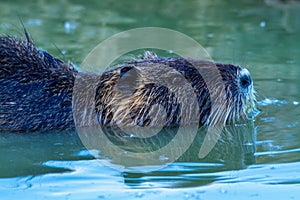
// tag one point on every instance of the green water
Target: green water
(260, 35)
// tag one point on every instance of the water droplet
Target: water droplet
(252, 113)
(129, 136)
(63, 52)
(170, 51)
(262, 24)
(5, 26)
(163, 158)
(268, 119)
(210, 35)
(223, 191)
(139, 195)
(271, 101)
(293, 124)
(272, 167)
(69, 26)
(34, 22)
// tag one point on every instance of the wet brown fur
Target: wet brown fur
(36, 91)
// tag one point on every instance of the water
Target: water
(263, 162)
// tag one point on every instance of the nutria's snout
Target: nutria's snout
(245, 80)
(246, 97)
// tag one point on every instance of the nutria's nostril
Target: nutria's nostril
(245, 81)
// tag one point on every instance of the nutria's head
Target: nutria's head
(240, 94)
(173, 91)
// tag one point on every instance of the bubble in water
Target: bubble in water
(271, 101)
(69, 26)
(262, 24)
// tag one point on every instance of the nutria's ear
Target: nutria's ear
(128, 71)
(129, 78)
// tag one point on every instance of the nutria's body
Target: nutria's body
(36, 90)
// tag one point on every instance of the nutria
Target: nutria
(37, 89)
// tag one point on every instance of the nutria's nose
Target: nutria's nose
(245, 79)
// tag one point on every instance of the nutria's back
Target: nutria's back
(36, 91)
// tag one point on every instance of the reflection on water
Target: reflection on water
(34, 154)
(235, 148)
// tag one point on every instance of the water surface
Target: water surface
(261, 162)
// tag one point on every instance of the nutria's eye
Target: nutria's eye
(245, 81)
